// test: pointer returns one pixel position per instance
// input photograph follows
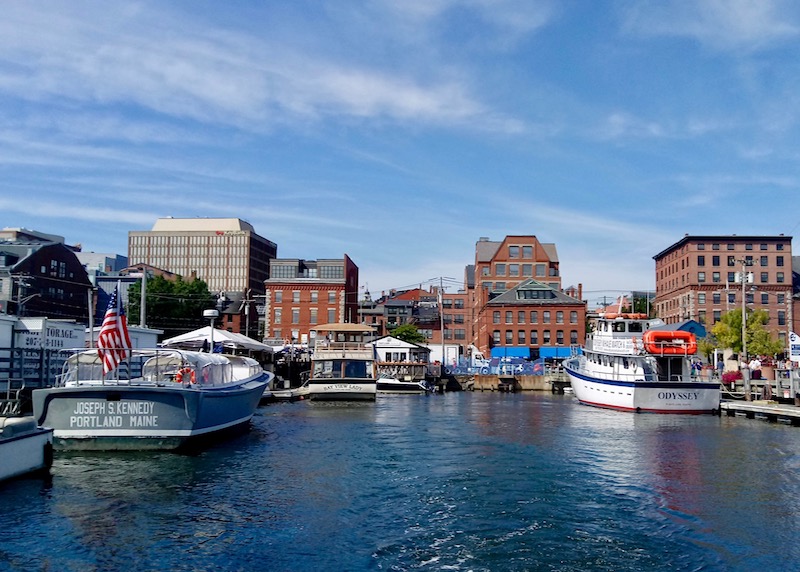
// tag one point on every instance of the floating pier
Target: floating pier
(769, 410)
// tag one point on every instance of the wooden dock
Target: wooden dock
(767, 410)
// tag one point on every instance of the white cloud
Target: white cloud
(720, 24)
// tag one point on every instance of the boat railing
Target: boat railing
(159, 366)
(11, 402)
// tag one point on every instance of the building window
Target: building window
(509, 337)
(296, 297)
(295, 315)
(781, 298)
(559, 317)
(331, 296)
(748, 247)
(715, 261)
(778, 247)
(496, 317)
(546, 337)
(277, 318)
(534, 317)
(313, 318)
(513, 270)
(278, 296)
(500, 286)
(779, 277)
(534, 337)
(540, 270)
(521, 337)
(715, 246)
(731, 277)
(513, 251)
(573, 317)
(764, 298)
(573, 337)
(459, 304)
(460, 334)
(546, 317)
(717, 316)
(314, 296)
(701, 276)
(715, 277)
(500, 269)
(701, 260)
(781, 318)
(764, 277)
(717, 298)
(779, 261)
(527, 270)
(731, 261)
(701, 316)
(560, 337)
(763, 246)
(731, 246)
(509, 317)
(731, 298)
(701, 297)
(521, 317)
(527, 252)
(331, 315)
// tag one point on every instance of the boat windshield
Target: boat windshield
(335, 368)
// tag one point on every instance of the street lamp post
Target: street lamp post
(211, 315)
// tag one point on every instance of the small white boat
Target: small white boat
(391, 385)
(633, 363)
(342, 364)
(167, 399)
(25, 447)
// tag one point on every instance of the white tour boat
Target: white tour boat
(634, 363)
(342, 363)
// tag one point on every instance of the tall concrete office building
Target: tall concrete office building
(226, 253)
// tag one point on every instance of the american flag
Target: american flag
(113, 341)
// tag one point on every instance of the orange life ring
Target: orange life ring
(676, 342)
(185, 371)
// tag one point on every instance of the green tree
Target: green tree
(408, 333)
(175, 306)
(706, 347)
(728, 332)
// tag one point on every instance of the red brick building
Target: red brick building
(301, 294)
(699, 278)
(517, 298)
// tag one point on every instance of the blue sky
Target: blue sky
(400, 132)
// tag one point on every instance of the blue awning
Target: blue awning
(554, 352)
(511, 351)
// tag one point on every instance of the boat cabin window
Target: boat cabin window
(619, 326)
(336, 368)
(635, 327)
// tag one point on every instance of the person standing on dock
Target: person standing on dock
(720, 367)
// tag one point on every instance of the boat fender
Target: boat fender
(186, 371)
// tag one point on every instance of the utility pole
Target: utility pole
(747, 394)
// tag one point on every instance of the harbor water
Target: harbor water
(460, 481)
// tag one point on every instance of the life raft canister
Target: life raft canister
(185, 371)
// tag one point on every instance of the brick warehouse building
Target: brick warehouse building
(301, 294)
(518, 304)
(698, 278)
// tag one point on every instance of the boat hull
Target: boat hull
(645, 396)
(143, 417)
(397, 387)
(342, 390)
(24, 447)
